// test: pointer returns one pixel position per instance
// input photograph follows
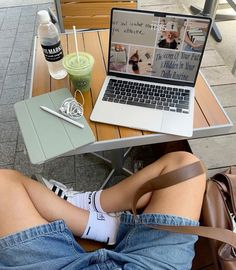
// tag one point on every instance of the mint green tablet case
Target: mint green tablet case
(45, 135)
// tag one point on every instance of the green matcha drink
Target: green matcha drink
(79, 72)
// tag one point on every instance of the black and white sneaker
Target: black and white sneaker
(58, 188)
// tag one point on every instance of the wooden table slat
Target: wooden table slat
(104, 39)
(199, 120)
(129, 132)
(71, 43)
(208, 104)
(91, 41)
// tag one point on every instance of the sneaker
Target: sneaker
(65, 192)
(58, 188)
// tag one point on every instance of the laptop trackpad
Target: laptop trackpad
(178, 124)
(129, 116)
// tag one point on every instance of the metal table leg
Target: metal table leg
(118, 157)
(234, 68)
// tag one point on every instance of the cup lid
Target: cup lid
(71, 61)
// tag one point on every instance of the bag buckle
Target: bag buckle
(233, 219)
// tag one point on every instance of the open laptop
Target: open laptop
(153, 62)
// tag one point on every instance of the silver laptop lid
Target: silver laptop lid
(157, 47)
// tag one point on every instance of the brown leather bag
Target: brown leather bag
(219, 209)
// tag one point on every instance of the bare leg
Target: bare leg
(29, 203)
(184, 199)
(25, 203)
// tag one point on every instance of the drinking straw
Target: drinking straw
(76, 44)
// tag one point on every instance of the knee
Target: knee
(181, 158)
(8, 176)
(175, 160)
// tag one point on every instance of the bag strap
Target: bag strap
(172, 178)
(229, 187)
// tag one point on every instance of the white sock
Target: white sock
(102, 227)
(88, 200)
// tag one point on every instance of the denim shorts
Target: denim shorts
(52, 246)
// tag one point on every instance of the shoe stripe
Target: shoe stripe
(94, 204)
(54, 188)
(60, 192)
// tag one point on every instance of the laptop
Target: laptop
(153, 63)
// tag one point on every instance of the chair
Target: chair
(88, 13)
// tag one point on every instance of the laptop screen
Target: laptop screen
(157, 46)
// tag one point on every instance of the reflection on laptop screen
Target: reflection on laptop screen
(157, 46)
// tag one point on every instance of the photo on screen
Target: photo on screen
(171, 34)
(195, 36)
(118, 57)
(140, 60)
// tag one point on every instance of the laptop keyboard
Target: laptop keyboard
(158, 97)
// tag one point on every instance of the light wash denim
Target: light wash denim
(52, 246)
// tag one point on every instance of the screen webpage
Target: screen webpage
(167, 47)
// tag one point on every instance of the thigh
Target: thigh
(17, 211)
(184, 199)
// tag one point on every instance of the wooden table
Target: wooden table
(209, 118)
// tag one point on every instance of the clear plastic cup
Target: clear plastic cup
(80, 73)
